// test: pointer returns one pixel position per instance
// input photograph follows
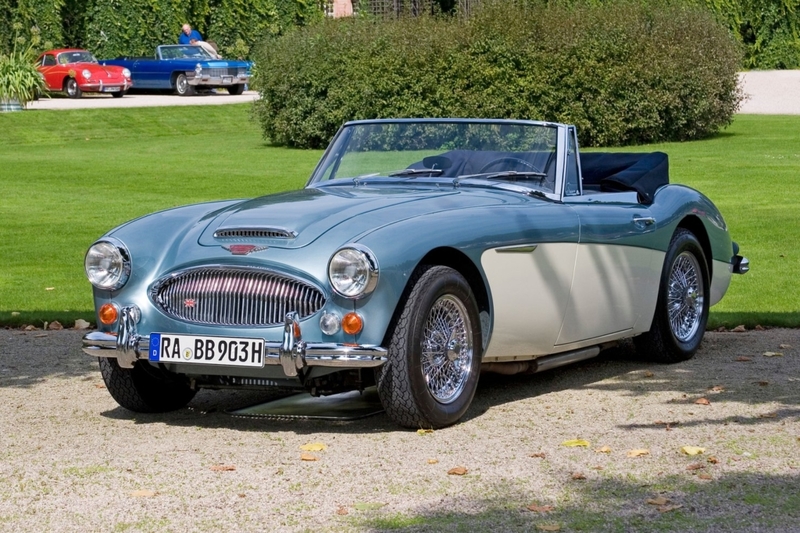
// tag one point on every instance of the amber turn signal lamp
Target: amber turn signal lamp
(108, 314)
(352, 323)
(296, 330)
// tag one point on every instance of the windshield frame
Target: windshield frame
(342, 137)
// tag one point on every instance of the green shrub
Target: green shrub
(623, 72)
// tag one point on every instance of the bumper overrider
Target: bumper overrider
(292, 353)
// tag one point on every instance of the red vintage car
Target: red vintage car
(76, 71)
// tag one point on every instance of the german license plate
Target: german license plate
(110, 89)
(227, 351)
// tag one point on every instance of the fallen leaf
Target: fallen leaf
(536, 508)
(648, 374)
(743, 359)
(695, 466)
(578, 476)
(15, 313)
(773, 354)
(49, 288)
(762, 383)
(457, 471)
(308, 457)
(55, 325)
(716, 388)
(433, 461)
(658, 500)
(713, 460)
(363, 506)
(702, 401)
(548, 527)
(143, 493)
(704, 475)
(638, 452)
(424, 431)
(604, 449)
(667, 508)
(222, 468)
(81, 324)
(721, 329)
(40, 335)
(342, 510)
(782, 346)
(31, 328)
(692, 450)
(575, 443)
(242, 495)
(597, 467)
(739, 329)
(540, 455)
(759, 327)
(768, 415)
(314, 447)
(99, 385)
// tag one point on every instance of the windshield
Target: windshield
(509, 151)
(184, 51)
(78, 56)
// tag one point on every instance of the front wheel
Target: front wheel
(236, 90)
(119, 94)
(71, 88)
(434, 356)
(145, 388)
(182, 86)
(681, 313)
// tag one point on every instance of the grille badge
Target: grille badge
(189, 302)
(243, 249)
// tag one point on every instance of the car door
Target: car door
(49, 69)
(616, 274)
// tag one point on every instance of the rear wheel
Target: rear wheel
(182, 86)
(145, 388)
(71, 88)
(434, 356)
(681, 313)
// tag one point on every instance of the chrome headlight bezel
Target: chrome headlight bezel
(108, 264)
(353, 271)
(126, 72)
(86, 73)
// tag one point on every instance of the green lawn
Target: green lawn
(66, 177)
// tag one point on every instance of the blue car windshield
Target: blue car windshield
(184, 52)
(452, 149)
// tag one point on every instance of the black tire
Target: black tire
(182, 86)
(236, 90)
(71, 88)
(145, 388)
(407, 384)
(681, 312)
(119, 94)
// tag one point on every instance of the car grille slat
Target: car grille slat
(235, 297)
(254, 233)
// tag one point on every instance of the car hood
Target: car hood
(296, 219)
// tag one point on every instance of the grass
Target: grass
(69, 176)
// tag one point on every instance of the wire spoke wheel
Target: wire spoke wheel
(685, 297)
(447, 349)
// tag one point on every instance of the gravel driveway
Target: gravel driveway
(72, 460)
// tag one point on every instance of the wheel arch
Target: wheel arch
(458, 261)
(695, 225)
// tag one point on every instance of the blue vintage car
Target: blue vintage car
(420, 254)
(184, 68)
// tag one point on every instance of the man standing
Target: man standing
(189, 36)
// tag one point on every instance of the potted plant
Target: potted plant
(20, 82)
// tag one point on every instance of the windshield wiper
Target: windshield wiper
(415, 171)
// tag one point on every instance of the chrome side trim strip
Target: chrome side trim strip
(518, 249)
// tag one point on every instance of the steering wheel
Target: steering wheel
(509, 159)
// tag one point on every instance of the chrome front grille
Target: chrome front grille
(219, 72)
(229, 296)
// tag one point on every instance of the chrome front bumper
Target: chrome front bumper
(217, 81)
(292, 353)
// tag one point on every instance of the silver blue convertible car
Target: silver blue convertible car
(419, 254)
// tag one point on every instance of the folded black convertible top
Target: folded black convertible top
(614, 172)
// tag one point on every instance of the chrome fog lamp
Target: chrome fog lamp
(86, 74)
(108, 264)
(330, 323)
(353, 271)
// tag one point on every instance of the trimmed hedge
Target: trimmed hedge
(623, 72)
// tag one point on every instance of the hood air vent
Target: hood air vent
(254, 233)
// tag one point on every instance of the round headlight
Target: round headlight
(86, 74)
(108, 264)
(353, 272)
(126, 73)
